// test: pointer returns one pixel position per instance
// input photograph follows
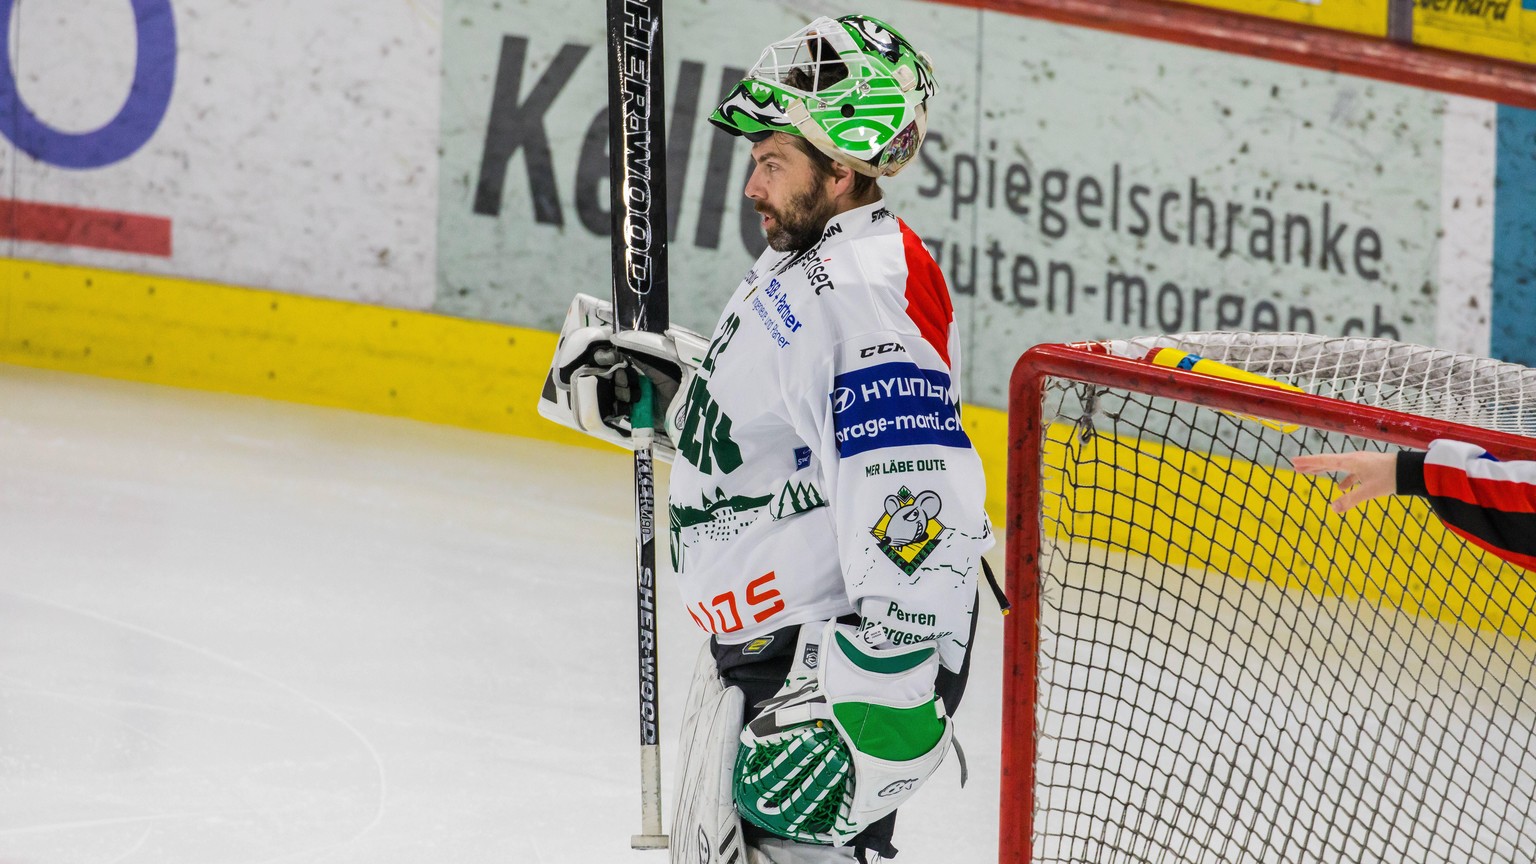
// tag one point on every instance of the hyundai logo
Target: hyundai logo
(842, 399)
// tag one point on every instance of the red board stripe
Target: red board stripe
(83, 226)
(928, 301)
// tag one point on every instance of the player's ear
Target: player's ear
(842, 180)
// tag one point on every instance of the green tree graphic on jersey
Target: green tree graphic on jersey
(796, 498)
(706, 438)
(718, 521)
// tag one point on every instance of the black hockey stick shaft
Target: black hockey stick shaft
(637, 189)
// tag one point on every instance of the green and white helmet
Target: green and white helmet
(853, 87)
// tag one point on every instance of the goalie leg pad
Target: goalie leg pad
(705, 827)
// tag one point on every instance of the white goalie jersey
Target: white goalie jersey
(821, 466)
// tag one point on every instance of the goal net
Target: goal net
(1206, 664)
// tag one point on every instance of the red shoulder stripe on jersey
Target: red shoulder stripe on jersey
(928, 301)
(1510, 496)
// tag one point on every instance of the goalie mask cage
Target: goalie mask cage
(1206, 664)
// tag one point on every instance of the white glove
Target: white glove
(593, 380)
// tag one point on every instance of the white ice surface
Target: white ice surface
(235, 630)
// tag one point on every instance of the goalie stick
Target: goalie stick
(638, 240)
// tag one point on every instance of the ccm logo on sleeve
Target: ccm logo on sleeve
(885, 348)
(894, 405)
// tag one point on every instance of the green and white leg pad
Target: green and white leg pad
(851, 735)
(705, 827)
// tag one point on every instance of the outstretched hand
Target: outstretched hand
(1367, 474)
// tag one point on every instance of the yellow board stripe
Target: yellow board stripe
(1502, 29)
(1270, 524)
(311, 350)
(280, 346)
(1368, 17)
(1505, 29)
(988, 431)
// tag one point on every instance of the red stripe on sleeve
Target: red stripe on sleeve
(928, 301)
(1509, 496)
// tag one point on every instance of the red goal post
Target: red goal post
(1204, 664)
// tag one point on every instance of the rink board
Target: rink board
(1267, 524)
(312, 350)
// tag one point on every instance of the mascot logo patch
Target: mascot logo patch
(909, 530)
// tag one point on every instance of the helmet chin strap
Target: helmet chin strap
(800, 116)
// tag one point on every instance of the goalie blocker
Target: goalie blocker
(593, 378)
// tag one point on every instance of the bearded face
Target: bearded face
(793, 198)
(797, 223)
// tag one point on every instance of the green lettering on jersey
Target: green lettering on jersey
(706, 437)
(717, 347)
